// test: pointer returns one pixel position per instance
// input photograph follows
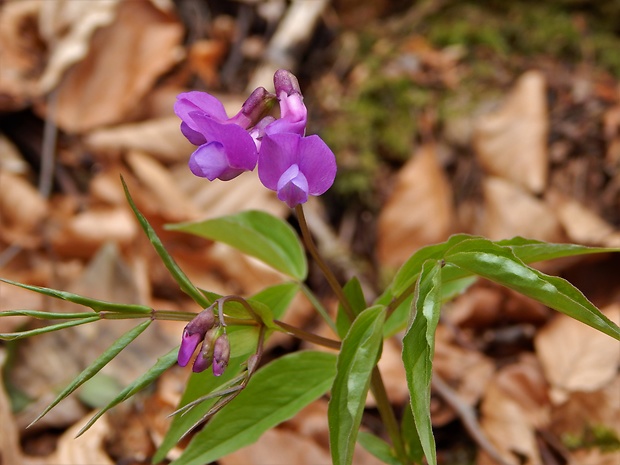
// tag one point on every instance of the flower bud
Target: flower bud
(221, 355)
(293, 112)
(258, 104)
(285, 81)
(205, 357)
(193, 333)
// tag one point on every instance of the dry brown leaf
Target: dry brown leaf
(158, 137)
(205, 57)
(514, 405)
(87, 449)
(124, 61)
(576, 357)
(418, 212)
(466, 371)
(172, 203)
(86, 232)
(512, 211)
(595, 457)
(583, 226)
(512, 142)
(10, 158)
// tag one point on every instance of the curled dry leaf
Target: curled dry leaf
(466, 371)
(158, 137)
(514, 405)
(418, 212)
(22, 210)
(88, 448)
(512, 211)
(583, 226)
(86, 232)
(576, 357)
(124, 61)
(512, 142)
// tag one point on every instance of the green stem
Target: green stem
(327, 272)
(387, 414)
(319, 307)
(306, 336)
(396, 301)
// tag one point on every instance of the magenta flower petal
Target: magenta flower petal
(210, 161)
(277, 153)
(189, 342)
(293, 116)
(189, 102)
(318, 163)
(293, 187)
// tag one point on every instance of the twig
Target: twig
(468, 417)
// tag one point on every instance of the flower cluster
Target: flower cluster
(215, 349)
(293, 165)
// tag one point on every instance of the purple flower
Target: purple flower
(205, 356)
(296, 166)
(226, 149)
(193, 333)
(293, 112)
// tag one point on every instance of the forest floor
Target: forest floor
(494, 118)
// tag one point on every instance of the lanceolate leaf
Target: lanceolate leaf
(181, 278)
(47, 329)
(48, 315)
(258, 234)
(274, 394)
(378, 447)
(358, 355)
(163, 363)
(98, 364)
(500, 265)
(530, 250)
(96, 305)
(418, 351)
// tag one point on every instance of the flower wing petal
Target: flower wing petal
(277, 153)
(318, 163)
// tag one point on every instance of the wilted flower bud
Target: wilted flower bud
(257, 105)
(193, 333)
(221, 355)
(205, 357)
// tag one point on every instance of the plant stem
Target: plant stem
(327, 272)
(387, 414)
(319, 307)
(306, 336)
(376, 382)
(396, 301)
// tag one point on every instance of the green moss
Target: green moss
(598, 436)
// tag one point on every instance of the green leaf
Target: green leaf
(95, 304)
(278, 298)
(162, 364)
(499, 264)
(181, 278)
(355, 295)
(46, 315)
(199, 384)
(358, 356)
(378, 447)
(418, 351)
(257, 234)
(275, 393)
(97, 365)
(409, 433)
(530, 250)
(47, 329)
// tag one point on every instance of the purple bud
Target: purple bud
(205, 357)
(221, 355)
(258, 104)
(193, 333)
(285, 81)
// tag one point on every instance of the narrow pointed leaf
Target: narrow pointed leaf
(47, 329)
(358, 356)
(199, 384)
(97, 365)
(95, 304)
(378, 447)
(179, 276)
(530, 250)
(275, 393)
(354, 294)
(47, 315)
(258, 234)
(413, 447)
(162, 364)
(418, 351)
(499, 264)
